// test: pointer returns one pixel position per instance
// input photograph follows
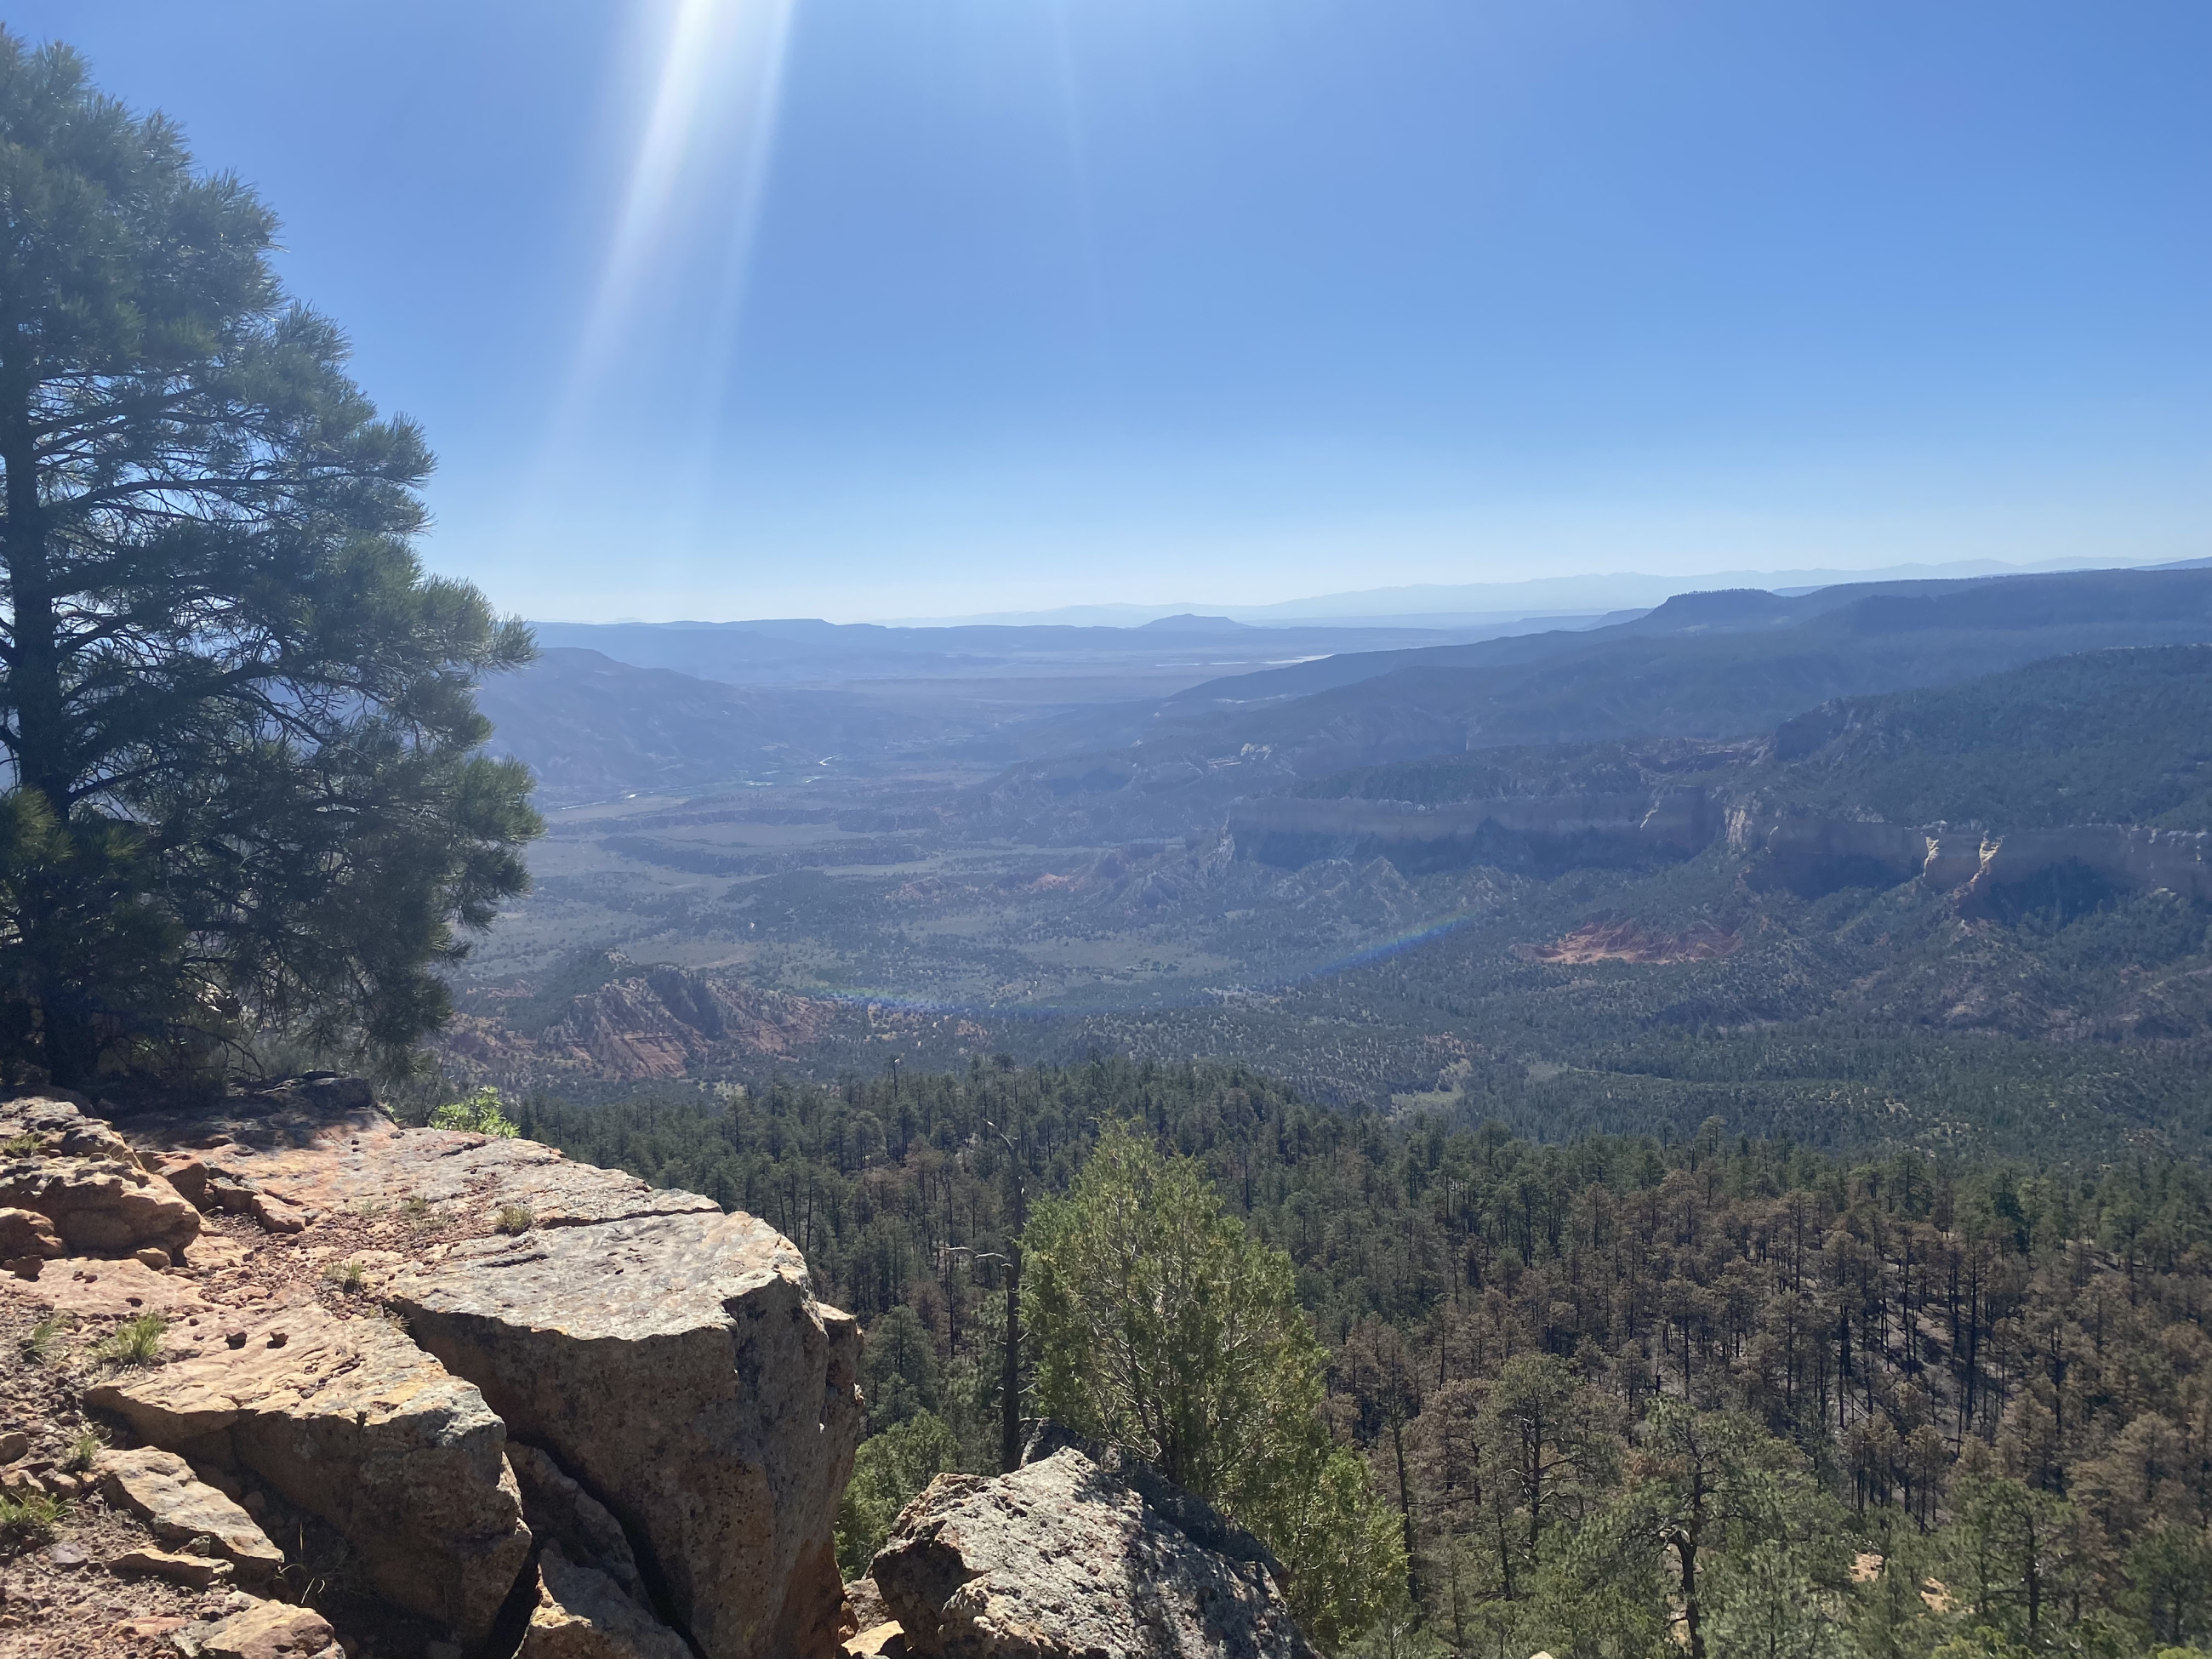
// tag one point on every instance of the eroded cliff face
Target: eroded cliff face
(1819, 855)
(656, 1021)
(1809, 853)
(379, 1326)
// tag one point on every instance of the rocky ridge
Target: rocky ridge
(537, 1406)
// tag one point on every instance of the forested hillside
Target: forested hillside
(2118, 737)
(1911, 1401)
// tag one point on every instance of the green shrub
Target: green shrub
(136, 1341)
(88, 1445)
(1162, 1325)
(888, 1472)
(38, 1344)
(514, 1219)
(482, 1112)
(28, 1518)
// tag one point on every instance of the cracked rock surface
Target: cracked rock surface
(669, 1363)
(352, 1422)
(582, 1614)
(681, 1367)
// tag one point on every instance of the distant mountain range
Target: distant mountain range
(1152, 731)
(1478, 604)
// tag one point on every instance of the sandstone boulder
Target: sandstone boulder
(160, 1489)
(87, 1182)
(680, 1366)
(63, 1127)
(269, 1630)
(582, 1614)
(186, 1171)
(27, 1233)
(349, 1420)
(1197, 1520)
(864, 1605)
(1062, 1560)
(695, 1406)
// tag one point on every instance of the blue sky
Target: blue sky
(877, 307)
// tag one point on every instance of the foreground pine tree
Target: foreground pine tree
(244, 787)
(1161, 1326)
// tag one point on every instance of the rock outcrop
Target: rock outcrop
(1808, 852)
(680, 1366)
(349, 1420)
(27, 1236)
(561, 1512)
(1062, 1560)
(375, 1308)
(1812, 854)
(74, 1171)
(272, 1630)
(1545, 833)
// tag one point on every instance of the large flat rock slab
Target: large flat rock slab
(349, 1420)
(1062, 1560)
(670, 1362)
(103, 1287)
(680, 1367)
(311, 1154)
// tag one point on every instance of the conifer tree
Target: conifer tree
(243, 785)
(1162, 1327)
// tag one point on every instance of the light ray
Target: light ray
(695, 182)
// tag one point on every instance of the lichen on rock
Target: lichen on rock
(1061, 1559)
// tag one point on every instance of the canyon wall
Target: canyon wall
(1807, 851)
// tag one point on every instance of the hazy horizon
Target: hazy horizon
(1582, 594)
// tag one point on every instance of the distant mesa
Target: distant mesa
(1190, 624)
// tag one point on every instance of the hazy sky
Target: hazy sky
(874, 307)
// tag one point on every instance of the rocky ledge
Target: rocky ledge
(549, 1409)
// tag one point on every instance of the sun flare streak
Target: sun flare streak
(696, 183)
